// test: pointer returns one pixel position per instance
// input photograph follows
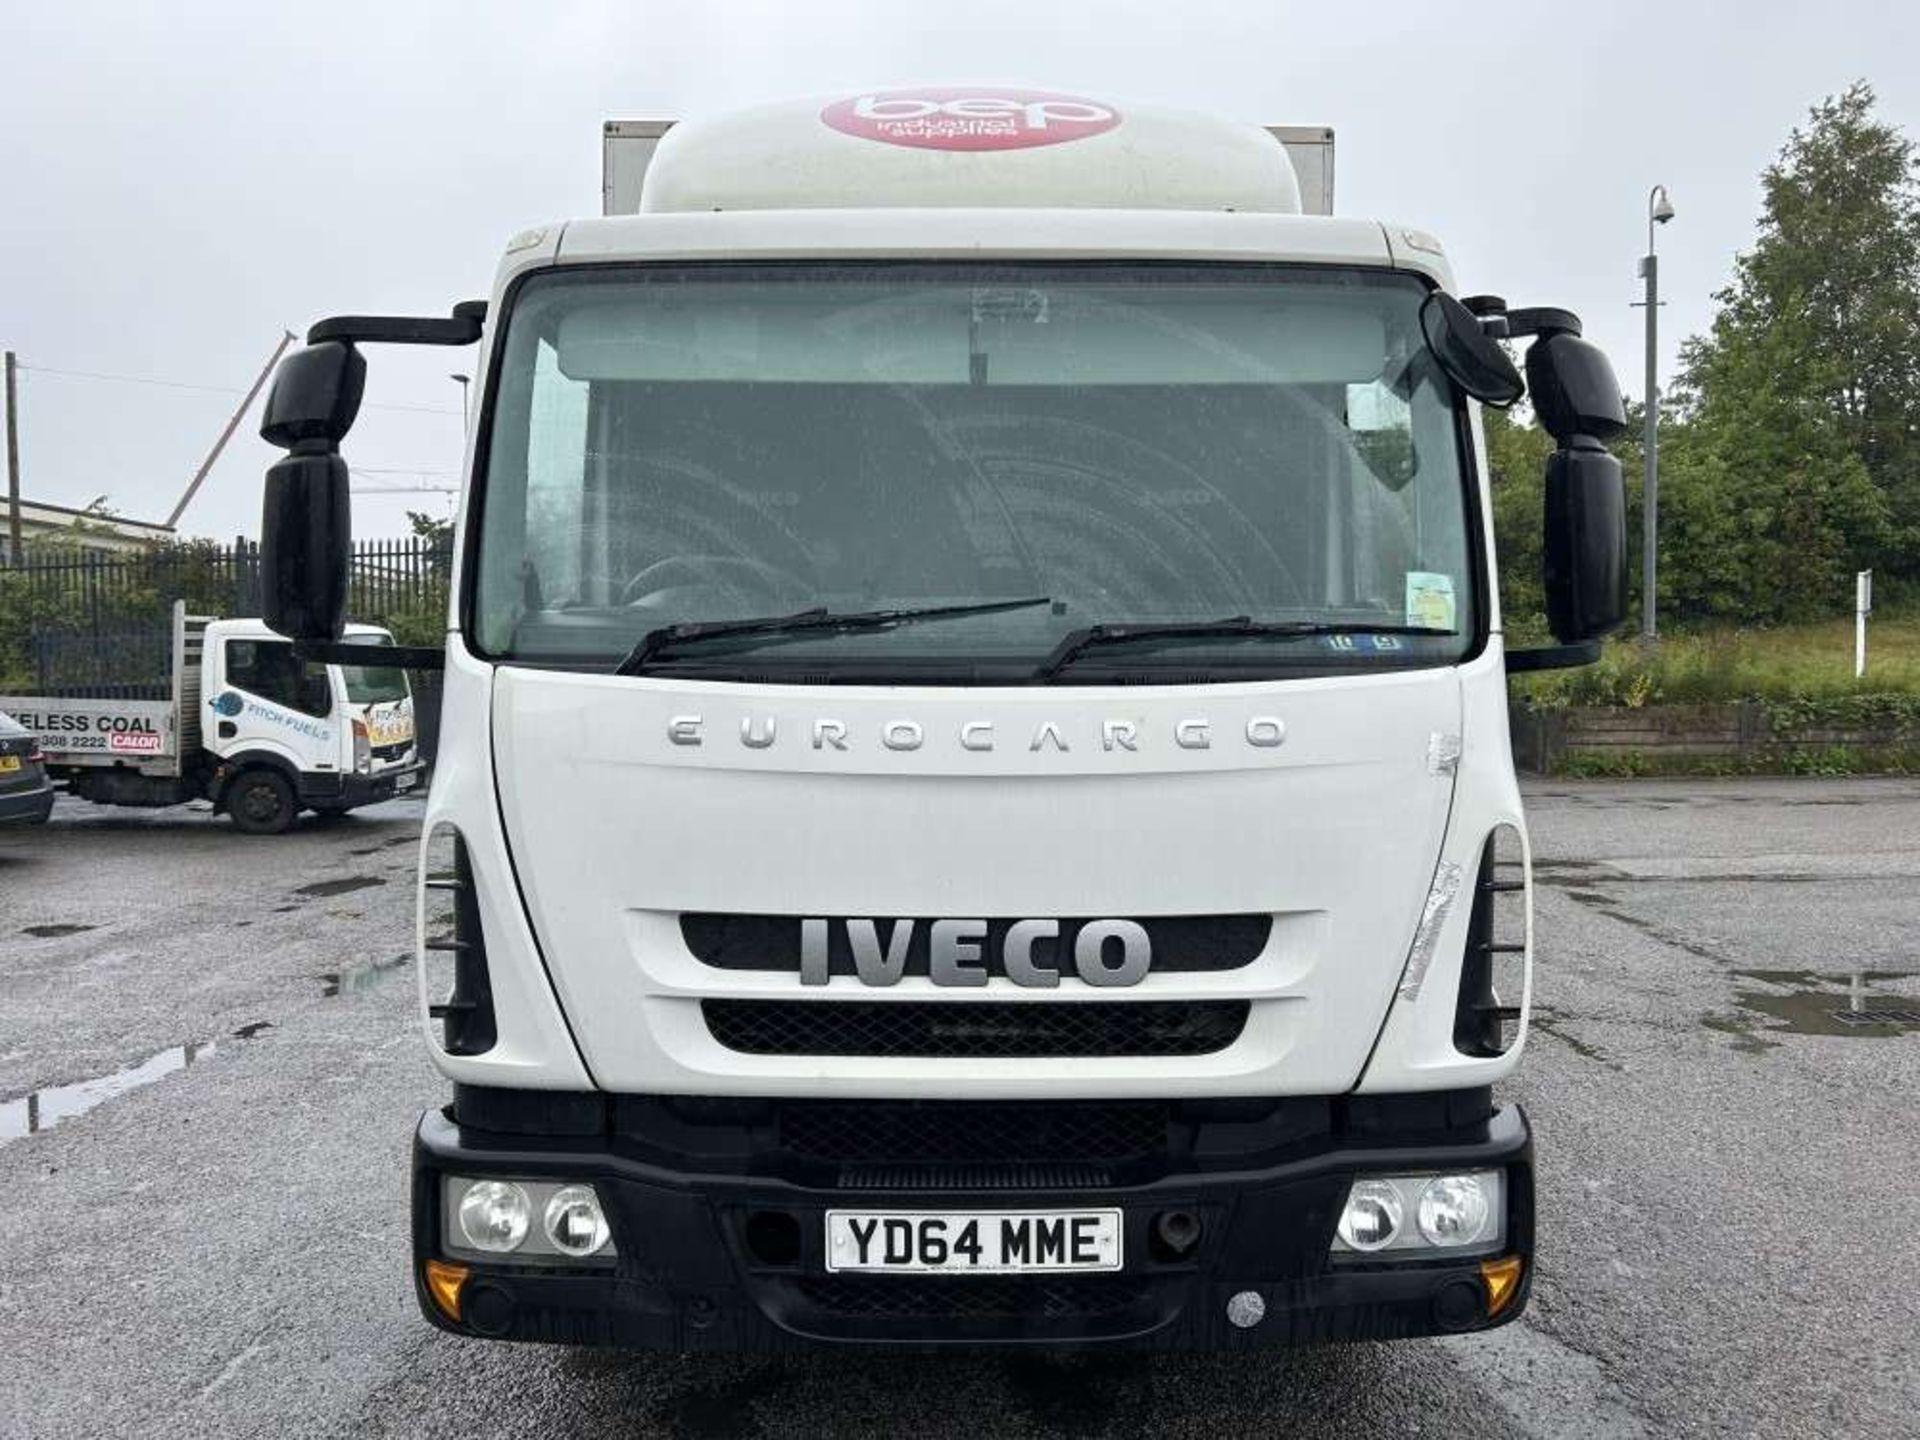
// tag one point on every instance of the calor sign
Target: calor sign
(970, 118)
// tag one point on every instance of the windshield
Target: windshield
(374, 684)
(1173, 444)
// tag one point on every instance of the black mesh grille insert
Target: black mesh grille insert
(1026, 1178)
(969, 1296)
(974, 1133)
(980, 1029)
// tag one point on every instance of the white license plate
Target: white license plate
(973, 1242)
(404, 782)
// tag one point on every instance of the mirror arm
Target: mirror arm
(1504, 324)
(1552, 657)
(348, 652)
(461, 328)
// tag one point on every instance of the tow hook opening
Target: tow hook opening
(1176, 1234)
(773, 1238)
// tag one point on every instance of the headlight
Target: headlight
(574, 1223)
(1453, 1210)
(1461, 1213)
(494, 1215)
(482, 1218)
(1372, 1216)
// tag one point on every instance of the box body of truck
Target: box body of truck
(974, 804)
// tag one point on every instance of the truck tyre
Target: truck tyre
(261, 802)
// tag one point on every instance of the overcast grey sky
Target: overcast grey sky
(179, 182)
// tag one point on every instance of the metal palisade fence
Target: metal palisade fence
(73, 616)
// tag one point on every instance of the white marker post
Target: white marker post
(1862, 607)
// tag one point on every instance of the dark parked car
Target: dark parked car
(26, 794)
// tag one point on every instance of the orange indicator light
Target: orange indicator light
(444, 1283)
(1502, 1278)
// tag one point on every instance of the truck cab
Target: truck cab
(974, 804)
(282, 735)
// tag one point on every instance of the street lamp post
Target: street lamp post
(463, 381)
(1659, 212)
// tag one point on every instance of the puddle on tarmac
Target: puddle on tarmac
(48, 932)
(322, 888)
(361, 973)
(43, 1109)
(1807, 1002)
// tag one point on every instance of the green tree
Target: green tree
(1797, 459)
(1517, 451)
(421, 617)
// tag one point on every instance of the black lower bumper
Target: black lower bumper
(696, 1269)
(332, 791)
(27, 806)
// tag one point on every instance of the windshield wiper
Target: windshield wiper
(657, 644)
(1076, 643)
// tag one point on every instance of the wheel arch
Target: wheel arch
(229, 768)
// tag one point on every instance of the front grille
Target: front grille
(891, 1297)
(974, 1132)
(1025, 1178)
(392, 752)
(976, 1029)
(771, 943)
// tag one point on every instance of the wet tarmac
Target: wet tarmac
(344, 886)
(215, 1243)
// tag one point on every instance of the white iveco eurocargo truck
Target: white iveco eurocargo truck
(973, 804)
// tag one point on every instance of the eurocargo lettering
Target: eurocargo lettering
(974, 804)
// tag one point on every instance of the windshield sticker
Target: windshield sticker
(1430, 600)
(969, 119)
(1363, 644)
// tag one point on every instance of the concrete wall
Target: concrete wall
(1681, 737)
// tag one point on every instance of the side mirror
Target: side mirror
(315, 397)
(305, 542)
(306, 523)
(1573, 388)
(1472, 358)
(1586, 541)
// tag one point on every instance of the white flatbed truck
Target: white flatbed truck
(973, 805)
(234, 719)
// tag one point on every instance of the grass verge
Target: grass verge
(1786, 663)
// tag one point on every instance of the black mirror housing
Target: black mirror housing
(1573, 388)
(315, 396)
(305, 543)
(1472, 358)
(1586, 542)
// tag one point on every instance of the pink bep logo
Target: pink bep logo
(970, 119)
